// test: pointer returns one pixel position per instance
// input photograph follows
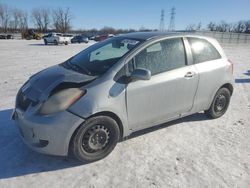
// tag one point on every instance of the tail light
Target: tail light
(231, 65)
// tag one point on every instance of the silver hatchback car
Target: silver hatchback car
(121, 85)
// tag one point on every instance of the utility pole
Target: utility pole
(172, 20)
(162, 25)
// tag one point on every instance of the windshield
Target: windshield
(98, 58)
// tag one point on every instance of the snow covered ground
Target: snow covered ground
(191, 152)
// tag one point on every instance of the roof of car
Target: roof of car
(156, 34)
(148, 35)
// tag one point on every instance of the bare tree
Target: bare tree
(62, 19)
(107, 30)
(211, 26)
(240, 27)
(5, 16)
(1, 15)
(224, 27)
(198, 28)
(23, 21)
(247, 26)
(41, 18)
(191, 27)
(16, 18)
(37, 18)
(45, 18)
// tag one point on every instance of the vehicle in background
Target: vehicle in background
(68, 35)
(92, 37)
(10, 36)
(56, 38)
(99, 38)
(3, 36)
(31, 34)
(80, 39)
(6, 36)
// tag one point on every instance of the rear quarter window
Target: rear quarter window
(203, 50)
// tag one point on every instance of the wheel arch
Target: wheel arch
(229, 87)
(113, 116)
(210, 111)
(103, 113)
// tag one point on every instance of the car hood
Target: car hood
(40, 85)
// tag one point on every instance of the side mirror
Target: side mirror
(140, 74)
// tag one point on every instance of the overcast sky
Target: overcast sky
(137, 13)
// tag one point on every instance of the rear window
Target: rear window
(203, 50)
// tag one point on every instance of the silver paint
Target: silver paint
(139, 104)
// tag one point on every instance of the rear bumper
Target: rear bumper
(47, 134)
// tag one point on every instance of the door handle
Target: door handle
(189, 74)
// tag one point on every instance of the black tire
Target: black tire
(66, 43)
(95, 139)
(220, 104)
(45, 42)
(55, 42)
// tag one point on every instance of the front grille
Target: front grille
(22, 101)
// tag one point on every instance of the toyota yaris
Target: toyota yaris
(121, 85)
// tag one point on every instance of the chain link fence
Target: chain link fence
(226, 37)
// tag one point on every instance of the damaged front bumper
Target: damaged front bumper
(47, 134)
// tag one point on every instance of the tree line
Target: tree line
(242, 26)
(12, 19)
(44, 19)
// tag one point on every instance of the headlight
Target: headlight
(61, 100)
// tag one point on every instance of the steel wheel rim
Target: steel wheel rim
(220, 103)
(95, 139)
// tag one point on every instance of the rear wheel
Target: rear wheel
(55, 42)
(66, 43)
(45, 42)
(220, 103)
(95, 139)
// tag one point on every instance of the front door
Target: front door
(171, 89)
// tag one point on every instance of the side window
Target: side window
(162, 56)
(202, 50)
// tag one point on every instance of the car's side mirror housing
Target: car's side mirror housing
(140, 74)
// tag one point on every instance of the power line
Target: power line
(162, 24)
(172, 20)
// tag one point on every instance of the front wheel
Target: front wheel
(220, 103)
(95, 139)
